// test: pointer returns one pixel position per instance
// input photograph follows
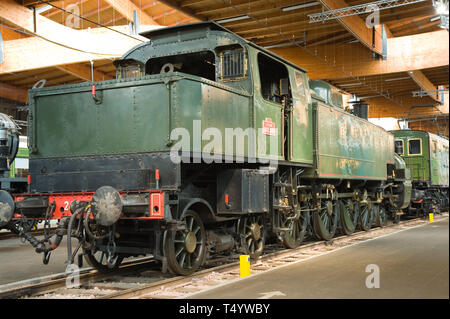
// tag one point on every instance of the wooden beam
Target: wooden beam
(381, 107)
(126, 8)
(23, 18)
(175, 5)
(424, 84)
(34, 53)
(357, 26)
(13, 93)
(83, 72)
(418, 28)
(415, 52)
(8, 34)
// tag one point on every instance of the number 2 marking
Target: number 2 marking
(66, 205)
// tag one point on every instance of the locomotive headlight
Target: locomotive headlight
(106, 205)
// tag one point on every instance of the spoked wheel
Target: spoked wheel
(99, 260)
(395, 218)
(252, 232)
(325, 220)
(365, 216)
(349, 213)
(381, 217)
(296, 223)
(185, 249)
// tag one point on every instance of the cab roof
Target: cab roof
(213, 26)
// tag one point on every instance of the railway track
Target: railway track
(143, 278)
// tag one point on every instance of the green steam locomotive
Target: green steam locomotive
(205, 144)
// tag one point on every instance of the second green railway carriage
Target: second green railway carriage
(427, 157)
(204, 144)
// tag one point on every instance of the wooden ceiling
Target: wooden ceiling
(266, 24)
(394, 84)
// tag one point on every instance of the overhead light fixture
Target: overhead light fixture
(233, 19)
(350, 84)
(370, 97)
(300, 6)
(441, 6)
(398, 79)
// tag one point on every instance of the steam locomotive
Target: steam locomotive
(205, 144)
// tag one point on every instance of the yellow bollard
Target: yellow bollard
(245, 265)
(431, 217)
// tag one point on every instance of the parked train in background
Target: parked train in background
(427, 157)
(141, 164)
(13, 158)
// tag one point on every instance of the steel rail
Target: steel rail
(86, 276)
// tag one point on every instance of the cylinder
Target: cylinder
(220, 241)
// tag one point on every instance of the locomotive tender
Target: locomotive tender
(204, 144)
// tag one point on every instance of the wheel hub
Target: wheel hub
(329, 208)
(256, 231)
(190, 242)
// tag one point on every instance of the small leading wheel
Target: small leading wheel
(99, 260)
(349, 213)
(185, 249)
(297, 228)
(252, 232)
(325, 220)
(366, 216)
(381, 217)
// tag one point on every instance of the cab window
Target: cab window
(274, 79)
(399, 147)
(299, 81)
(415, 147)
(233, 64)
(127, 69)
(200, 64)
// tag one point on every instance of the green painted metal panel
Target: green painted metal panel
(301, 120)
(418, 164)
(12, 170)
(72, 124)
(203, 108)
(350, 147)
(22, 152)
(230, 114)
(439, 158)
(269, 142)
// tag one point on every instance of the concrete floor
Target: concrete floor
(412, 264)
(19, 261)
